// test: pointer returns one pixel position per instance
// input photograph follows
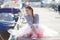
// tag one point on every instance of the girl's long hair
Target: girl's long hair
(30, 8)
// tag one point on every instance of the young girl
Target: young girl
(33, 21)
(31, 31)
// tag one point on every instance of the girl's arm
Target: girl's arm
(35, 25)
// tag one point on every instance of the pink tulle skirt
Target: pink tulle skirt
(28, 33)
(38, 34)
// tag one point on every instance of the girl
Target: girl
(33, 21)
(31, 31)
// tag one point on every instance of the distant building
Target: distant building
(26, 0)
(31, 0)
(1, 2)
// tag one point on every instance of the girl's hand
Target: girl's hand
(34, 29)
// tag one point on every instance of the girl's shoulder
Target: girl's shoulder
(36, 18)
(36, 15)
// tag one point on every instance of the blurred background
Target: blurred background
(48, 10)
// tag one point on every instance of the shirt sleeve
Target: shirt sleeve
(36, 20)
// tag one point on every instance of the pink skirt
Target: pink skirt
(29, 34)
(38, 34)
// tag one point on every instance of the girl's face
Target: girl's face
(28, 11)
